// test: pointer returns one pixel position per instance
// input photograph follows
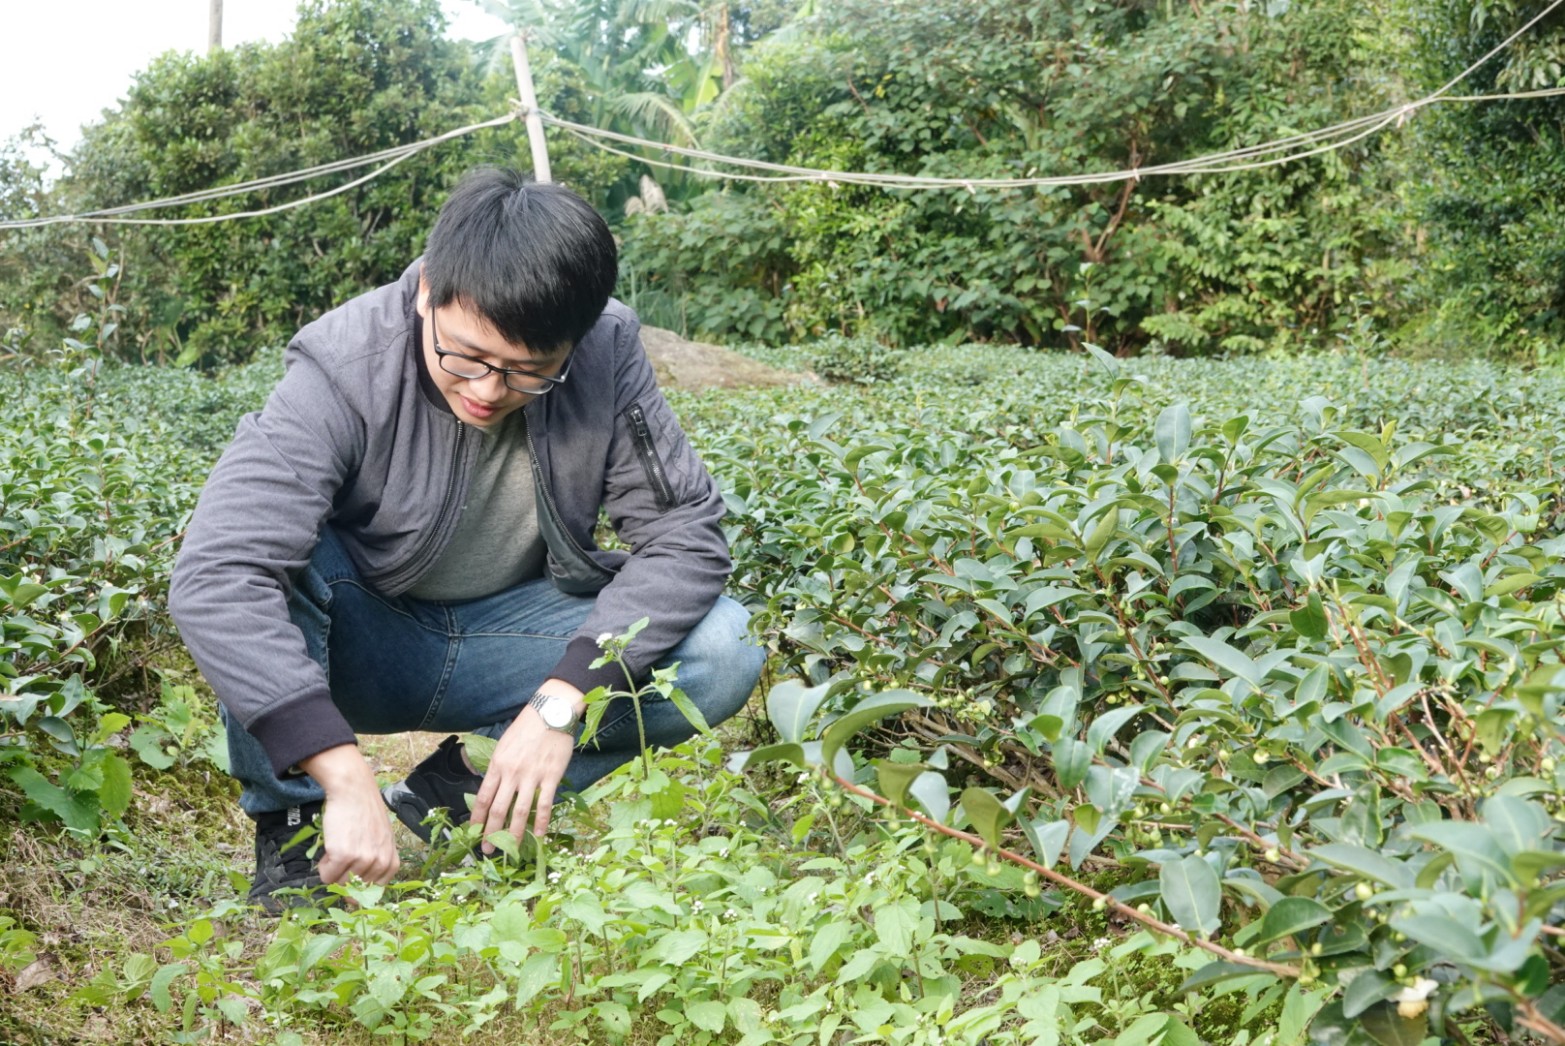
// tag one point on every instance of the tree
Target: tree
(356, 77)
(1491, 185)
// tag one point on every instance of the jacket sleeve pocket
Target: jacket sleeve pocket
(651, 461)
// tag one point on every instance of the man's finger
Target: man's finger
(541, 823)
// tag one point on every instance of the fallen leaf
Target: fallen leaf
(40, 971)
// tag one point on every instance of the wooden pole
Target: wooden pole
(214, 26)
(524, 85)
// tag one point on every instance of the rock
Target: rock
(681, 364)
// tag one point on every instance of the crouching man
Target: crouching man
(402, 539)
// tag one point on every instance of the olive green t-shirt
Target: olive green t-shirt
(496, 543)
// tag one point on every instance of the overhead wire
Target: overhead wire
(1268, 154)
(392, 156)
(1289, 149)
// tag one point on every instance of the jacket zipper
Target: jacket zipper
(649, 457)
(445, 504)
(553, 509)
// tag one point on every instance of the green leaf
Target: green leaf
(1103, 728)
(537, 973)
(896, 925)
(871, 710)
(1516, 824)
(1367, 988)
(1289, 916)
(708, 1015)
(1449, 938)
(1310, 620)
(1071, 760)
(831, 936)
(688, 709)
(1389, 1028)
(1217, 972)
(115, 792)
(1173, 432)
(159, 990)
(1047, 837)
(790, 705)
(1364, 862)
(1226, 657)
(1192, 893)
(933, 794)
(77, 811)
(896, 778)
(1474, 846)
(1102, 532)
(988, 815)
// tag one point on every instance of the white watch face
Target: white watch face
(556, 712)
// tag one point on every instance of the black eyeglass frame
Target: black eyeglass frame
(506, 373)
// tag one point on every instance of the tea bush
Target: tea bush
(1245, 672)
(1289, 660)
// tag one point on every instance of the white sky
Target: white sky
(67, 60)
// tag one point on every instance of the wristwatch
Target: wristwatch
(557, 711)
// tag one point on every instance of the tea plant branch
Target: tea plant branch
(1060, 879)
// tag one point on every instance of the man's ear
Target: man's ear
(422, 303)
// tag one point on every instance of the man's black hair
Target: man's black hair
(534, 260)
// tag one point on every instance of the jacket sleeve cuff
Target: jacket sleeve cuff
(576, 668)
(301, 728)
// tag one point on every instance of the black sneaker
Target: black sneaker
(279, 866)
(441, 782)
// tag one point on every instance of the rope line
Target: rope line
(1268, 154)
(1279, 151)
(393, 156)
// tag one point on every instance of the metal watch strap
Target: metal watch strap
(540, 698)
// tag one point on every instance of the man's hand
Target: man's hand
(528, 764)
(356, 834)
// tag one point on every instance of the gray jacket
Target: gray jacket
(357, 436)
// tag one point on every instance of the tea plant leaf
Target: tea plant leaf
(933, 794)
(1192, 893)
(1173, 432)
(896, 778)
(1226, 657)
(870, 710)
(987, 814)
(1368, 987)
(1449, 938)
(1047, 838)
(1389, 1028)
(1474, 846)
(1365, 862)
(790, 705)
(1071, 760)
(1290, 916)
(1516, 824)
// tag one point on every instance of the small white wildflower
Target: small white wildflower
(1102, 942)
(814, 897)
(869, 879)
(605, 639)
(554, 877)
(731, 915)
(1412, 1002)
(696, 906)
(723, 852)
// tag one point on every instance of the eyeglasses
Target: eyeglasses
(460, 365)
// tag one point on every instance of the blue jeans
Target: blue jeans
(405, 664)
